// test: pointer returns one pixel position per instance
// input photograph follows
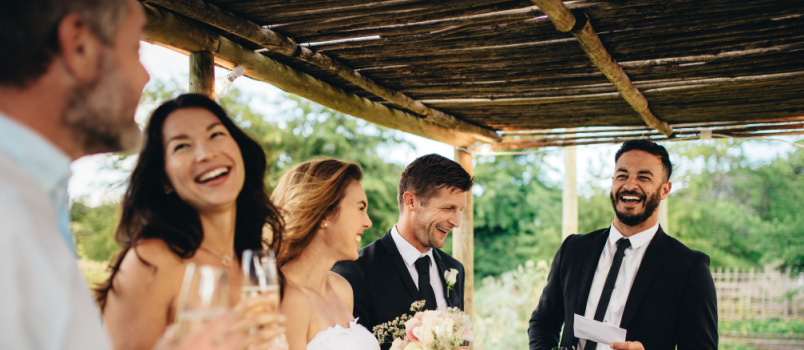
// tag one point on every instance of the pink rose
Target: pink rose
(409, 333)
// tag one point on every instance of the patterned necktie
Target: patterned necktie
(426, 290)
(605, 297)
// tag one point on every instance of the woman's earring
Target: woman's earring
(326, 224)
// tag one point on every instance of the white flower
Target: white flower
(414, 345)
(450, 277)
(397, 344)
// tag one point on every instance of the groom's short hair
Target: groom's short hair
(427, 174)
(650, 147)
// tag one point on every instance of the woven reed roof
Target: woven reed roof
(504, 72)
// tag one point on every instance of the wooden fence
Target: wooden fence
(760, 294)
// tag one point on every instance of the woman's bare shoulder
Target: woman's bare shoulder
(150, 261)
(342, 289)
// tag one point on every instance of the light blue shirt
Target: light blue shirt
(48, 166)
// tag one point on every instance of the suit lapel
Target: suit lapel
(448, 295)
(399, 264)
(648, 270)
(592, 253)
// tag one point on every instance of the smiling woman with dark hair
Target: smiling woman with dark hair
(196, 195)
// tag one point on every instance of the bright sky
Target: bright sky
(91, 182)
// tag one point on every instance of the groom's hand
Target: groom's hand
(628, 345)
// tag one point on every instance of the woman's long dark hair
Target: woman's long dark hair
(149, 212)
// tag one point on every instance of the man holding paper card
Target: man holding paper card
(629, 286)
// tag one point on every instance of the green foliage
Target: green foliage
(503, 305)
(769, 326)
(311, 130)
(734, 346)
(93, 230)
(517, 213)
(94, 272)
(740, 213)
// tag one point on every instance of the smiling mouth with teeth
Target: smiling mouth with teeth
(211, 175)
(442, 230)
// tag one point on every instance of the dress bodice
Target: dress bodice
(355, 337)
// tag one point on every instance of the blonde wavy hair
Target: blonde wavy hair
(306, 195)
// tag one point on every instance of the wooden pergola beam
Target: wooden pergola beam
(729, 131)
(676, 127)
(184, 35)
(565, 21)
(277, 43)
(649, 87)
(687, 131)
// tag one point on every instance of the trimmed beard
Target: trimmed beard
(632, 220)
(101, 112)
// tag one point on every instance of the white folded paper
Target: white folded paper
(587, 328)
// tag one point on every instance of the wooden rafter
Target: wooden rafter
(184, 35)
(275, 42)
(676, 127)
(565, 21)
(581, 137)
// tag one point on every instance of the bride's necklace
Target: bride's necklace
(226, 259)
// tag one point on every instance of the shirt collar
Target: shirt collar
(47, 165)
(409, 253)
(637, 240)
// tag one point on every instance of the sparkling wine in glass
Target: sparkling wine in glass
(259, 274)
(204, 296)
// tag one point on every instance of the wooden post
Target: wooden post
(202, 73)
(463, 237)
(570, 200)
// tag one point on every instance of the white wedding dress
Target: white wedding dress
(355, 337)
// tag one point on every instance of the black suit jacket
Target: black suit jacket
(671, 303)
(382, 285)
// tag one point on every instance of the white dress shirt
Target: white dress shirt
(625, 278)
(44, 302)
(409, 255)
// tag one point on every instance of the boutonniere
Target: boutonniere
(450, 277)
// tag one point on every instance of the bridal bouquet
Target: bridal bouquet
(427, 330)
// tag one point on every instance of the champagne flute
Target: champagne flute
(204, 296)
(259, 274)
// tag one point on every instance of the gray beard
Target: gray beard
(101, 113)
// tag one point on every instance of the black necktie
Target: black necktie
(605, 297)
(426, 290)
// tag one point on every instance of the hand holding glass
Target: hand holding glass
(204, 297)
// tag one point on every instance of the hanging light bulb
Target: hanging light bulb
(484, 150)
(222, 85)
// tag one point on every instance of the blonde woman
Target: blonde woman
(325, 211)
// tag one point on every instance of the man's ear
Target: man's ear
(408, 199)
(80, 47)
(666, 189)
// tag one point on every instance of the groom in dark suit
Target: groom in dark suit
(630, 275)
(405, 265)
